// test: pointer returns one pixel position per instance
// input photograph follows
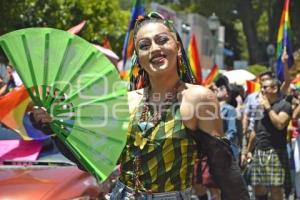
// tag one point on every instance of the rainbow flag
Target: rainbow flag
(13, 106)
(194, 59)
(213, 74)
(128, 47)
(296, 82)
(252, 86)
(19, 150)
(284, 40)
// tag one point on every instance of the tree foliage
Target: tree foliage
(105, 18)
(257, 69)
(250, 24)
(257, 20)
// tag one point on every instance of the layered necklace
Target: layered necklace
(146, 122)
(150, 119)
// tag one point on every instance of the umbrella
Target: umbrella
(239, 76)
(79, 87)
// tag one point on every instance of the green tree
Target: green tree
(256, 22)
(257, 69)
(104, 18)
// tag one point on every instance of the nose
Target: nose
(155, 46)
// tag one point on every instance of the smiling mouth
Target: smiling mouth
(157, 59)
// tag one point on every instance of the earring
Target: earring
(141, 79)
(135, 70)
(180, 65)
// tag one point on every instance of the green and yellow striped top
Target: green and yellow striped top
(167, 158)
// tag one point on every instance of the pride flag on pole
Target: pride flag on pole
(213, 74)
(252, 86)
(128, 47)
(284, 41)
(194, 59)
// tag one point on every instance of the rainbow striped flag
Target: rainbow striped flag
(13, 108)
(213, 74)
(284, 40)
(128, 47)
(194, 59)
(252, 86)
(296, 82)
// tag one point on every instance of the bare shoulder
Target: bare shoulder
(200, 109)
(198, 93)
(134, 98)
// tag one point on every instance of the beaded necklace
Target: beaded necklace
(145, 123)
(148, 120)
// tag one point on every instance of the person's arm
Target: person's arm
(245, 119)
(251, 142)
(224, 169)
(296, 112)
(287, 77)
(208, 113)
(239, 108)
(280, 120)
(3, 89)
(248, 147)
(40, 120)
(67, 153)
(231, 129)
(200, 110)
(244, 145)
(245, 123)
(244, 151)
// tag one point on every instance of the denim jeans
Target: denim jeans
(122, 192)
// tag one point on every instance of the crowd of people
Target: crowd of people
(199, 137)
(263, 128)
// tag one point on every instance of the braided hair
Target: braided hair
(138, 76)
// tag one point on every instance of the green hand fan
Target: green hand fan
(79, 87)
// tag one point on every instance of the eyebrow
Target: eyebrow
(162, 33)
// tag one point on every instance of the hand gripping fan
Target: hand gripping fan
(80, 89)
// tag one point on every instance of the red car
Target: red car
(48, 178)
(46, 182)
